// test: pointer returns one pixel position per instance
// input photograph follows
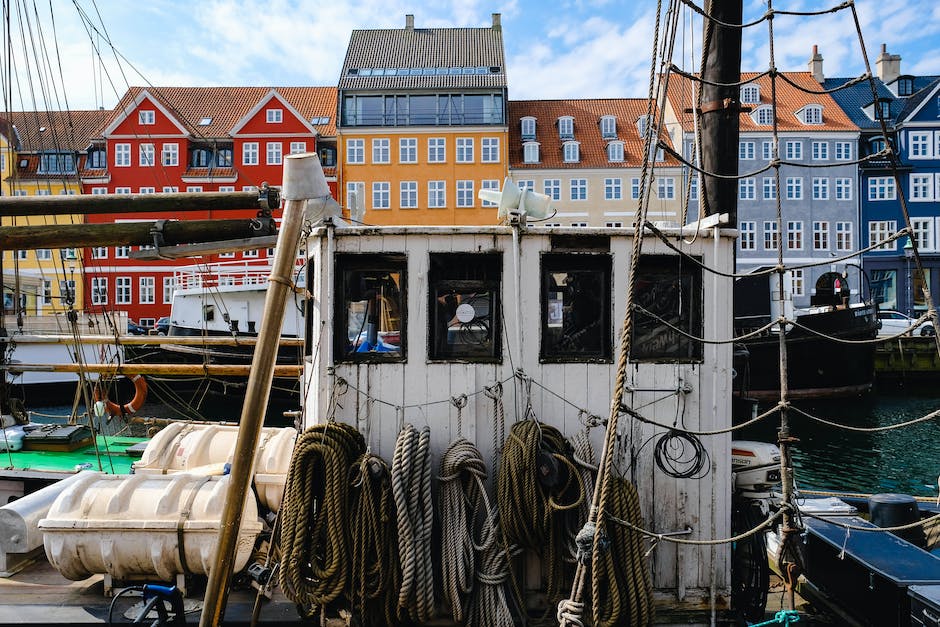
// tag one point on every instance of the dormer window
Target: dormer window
(608, 127)
(883, 109)
(810, 114)
(566, 127)
(97, 159)
(528, 128)
(530, 152)
(572, 151)
(615, 151)
(750, 94)
(275, 116)
(146, 117)
(763, 115)
(642, 125)
(905, 86)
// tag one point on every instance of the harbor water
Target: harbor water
(904, 460)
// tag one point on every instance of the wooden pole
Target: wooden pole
(167, 233)
(304, 184)
(20, 206)
(721, 106)
(144, 340)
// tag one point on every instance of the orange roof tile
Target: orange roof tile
(790, 99)
(225, 106)
(37, 131)
(587, 114)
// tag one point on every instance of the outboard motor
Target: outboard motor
(755, 468)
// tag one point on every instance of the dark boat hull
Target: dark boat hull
(817, 367)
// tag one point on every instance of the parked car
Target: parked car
(162, 326)
(894, 322)
(135, 329)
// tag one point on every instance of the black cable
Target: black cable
(750, 570)
(118, 596)
(681, 455)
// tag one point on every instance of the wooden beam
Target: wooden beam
(218, 370)
(205, 248)
(137, 203)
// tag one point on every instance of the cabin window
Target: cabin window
(370, 310)
(464, 307)
(668, 305)
(576, 306)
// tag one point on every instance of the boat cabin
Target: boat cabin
(428, 325)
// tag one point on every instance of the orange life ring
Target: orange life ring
(140, 396)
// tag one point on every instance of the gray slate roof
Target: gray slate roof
(853, 99)
(410, 48)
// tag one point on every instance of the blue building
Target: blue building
(901, 110)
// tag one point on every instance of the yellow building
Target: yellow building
(422, 124)
(43, 152)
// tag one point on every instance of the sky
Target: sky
(92, 50)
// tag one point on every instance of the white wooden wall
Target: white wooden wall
(425, 389)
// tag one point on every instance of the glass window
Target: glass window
(250, 153)
(576, 306)
(408, 194)
(578, 189)
(884, 288)
(170, 155)
(464, 306)
(407, 150)
(820, 235)
(615, 151)
(370, 311)
(464, 150)
(748, 236)
(122, 155)
(530, 152)
(465, 193)
(608, 127)
(381, 195)
(489, 150)
(572, 152)
(552, 188)
(613, 189)
(669, 290)
(146, 155)
(745, 150)
(436, 150)
(380, 150)
(437, 194)
(566, 127)
(844, 236)
(275, 153)
(528, 128)
(355, 151)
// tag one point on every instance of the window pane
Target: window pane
(576, 307)
(464, 307)
(371, 310)
(671, 291)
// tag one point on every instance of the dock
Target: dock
(907, 359)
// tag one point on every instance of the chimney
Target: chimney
(409, 22)
(816, 65)
(888, 66)
(497, 22)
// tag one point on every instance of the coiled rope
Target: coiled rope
(538, 485)
(622, 590)
(375, 571)
(411, 487)
(315, 516)
(465, 507)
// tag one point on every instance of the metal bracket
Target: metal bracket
(156, 232)
(269, 199)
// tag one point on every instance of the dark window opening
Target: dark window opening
(464, 307)
(200, 158)
(576, 304)
(370, 310)
(905, 86)
(667, 303)
(327, 156)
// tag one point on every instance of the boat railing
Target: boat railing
(227, 274)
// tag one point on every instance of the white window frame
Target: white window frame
(820, 151)
(763, 115)
(795, 239)
(490, 184)
(274, 153)
(298, 148)
(170, 154)
(843, 151)
(769, 188)
(381, 150)
(274, 116)
(747, 189)
(881, 231)
(793, 149)
(356, 150)
(250, 153)
(608, 127)
(920, 144)
(437, 194)
(566, 127)
(845, 236)
(820, 235)
(146, 155)
(552, 188)
(797, 282)
(122, 252)
(465, 194)
(771, 235)
(750, 94)
(464, 150)
(820, 188)
(527, 127)
(881, 188)
(408, 194)
(613, 188)
(169, 286)
(360, 188)
(437, 150)
(407, 150)
(794, 187)
(767, 150)
(530, 152)
(122, 155)
(748, 236)
(489, 150)
(665, 188)
(615, 153)
(843, 187)
(578, 189)
(923, 234)
(746, 150)
(147, 290)
(146, 117)
(921, 187)
(99, 290)
(381, 195)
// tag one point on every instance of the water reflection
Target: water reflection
(903, 460)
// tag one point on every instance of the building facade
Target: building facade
(587, 156)
(817, 183)
(422, 124)
(903, 114)
(193, 139)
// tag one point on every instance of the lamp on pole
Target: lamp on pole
(908, 255)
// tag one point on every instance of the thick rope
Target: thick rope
(375, 571)
(411, 487)
(315, 516)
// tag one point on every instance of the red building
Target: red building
(195, 139)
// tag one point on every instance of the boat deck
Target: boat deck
(111, 454)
